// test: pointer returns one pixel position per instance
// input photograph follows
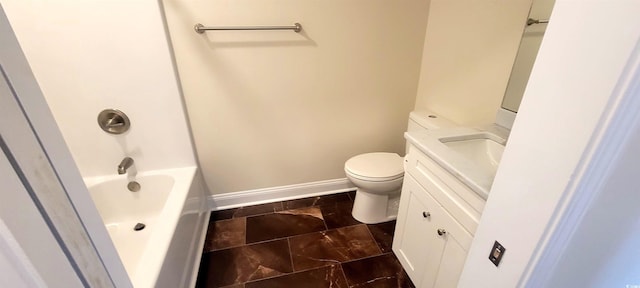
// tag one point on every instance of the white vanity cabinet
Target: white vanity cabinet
(436, 219)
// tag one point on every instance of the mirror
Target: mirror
(527, 52)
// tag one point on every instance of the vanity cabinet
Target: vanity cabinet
(432, 237)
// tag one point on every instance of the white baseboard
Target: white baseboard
(281, 193)
(505, 118)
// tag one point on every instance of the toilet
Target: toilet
(378, 176)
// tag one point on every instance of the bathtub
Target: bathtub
(171, 205)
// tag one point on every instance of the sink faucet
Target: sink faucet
(125, 164)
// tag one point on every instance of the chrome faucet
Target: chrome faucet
(125, 164)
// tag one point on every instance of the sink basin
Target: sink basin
(469, 154)
(484, 149)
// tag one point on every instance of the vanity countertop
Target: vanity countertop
(468, 171)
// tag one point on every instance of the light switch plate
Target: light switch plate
(496, 253)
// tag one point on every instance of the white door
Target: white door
(50, 177)
(29, 254)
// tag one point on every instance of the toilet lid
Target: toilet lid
(375, 165)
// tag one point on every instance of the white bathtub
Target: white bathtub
(171, 203)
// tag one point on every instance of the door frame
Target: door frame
(33, 138)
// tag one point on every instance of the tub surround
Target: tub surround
(124, 64)
(505, 118)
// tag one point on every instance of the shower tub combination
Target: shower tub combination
(170, 221)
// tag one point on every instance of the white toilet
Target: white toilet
(378, 176)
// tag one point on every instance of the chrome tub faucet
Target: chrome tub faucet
(125, 164)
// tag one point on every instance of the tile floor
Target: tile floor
(311, 242)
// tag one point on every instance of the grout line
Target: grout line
(364, 258)
(273, 209)
(349, 195)
(296, 235)
(326, 227)
(325, 230)
(374, 238)
(250, 244)
(344, 275)
(254, 215)
(245, 230)
(287, 274)
(268, 240)
(283, 204)
(293, 268)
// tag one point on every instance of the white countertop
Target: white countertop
(465, 170)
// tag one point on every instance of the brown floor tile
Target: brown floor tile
(284, 224)
(383, 233)
(329, 276)
(352, 195)
(338, 215)
(245, 263)
(316, 201)
(225, 234)
(257, 209)
(234, 286)
(381, 271)
(221, 215)
(333, 246)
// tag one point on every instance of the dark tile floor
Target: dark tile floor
(311, 242)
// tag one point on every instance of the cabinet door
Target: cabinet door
(451, 265)
(416, 242)
(456, 241)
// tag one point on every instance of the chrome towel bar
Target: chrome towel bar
(201, 28)
(532, 21)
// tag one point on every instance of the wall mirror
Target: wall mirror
(527, 52)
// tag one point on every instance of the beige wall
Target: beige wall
(272, 108)
(469, 49)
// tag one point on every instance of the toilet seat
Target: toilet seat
(375, 167)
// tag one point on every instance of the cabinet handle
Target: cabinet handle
(426, 214)
(441, 232)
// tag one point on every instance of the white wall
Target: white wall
(577, 69)
(603, 251)
(468, 53)
(92, 55)
(272, 108)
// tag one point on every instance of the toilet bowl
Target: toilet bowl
(378, 178)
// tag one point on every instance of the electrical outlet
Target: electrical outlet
(496, 253)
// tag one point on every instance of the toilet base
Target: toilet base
(372, 208)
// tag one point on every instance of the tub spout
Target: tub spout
(125, 164)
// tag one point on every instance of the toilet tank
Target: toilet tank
(423, 120)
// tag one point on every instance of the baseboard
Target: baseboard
(281, 193)
(505, 118)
